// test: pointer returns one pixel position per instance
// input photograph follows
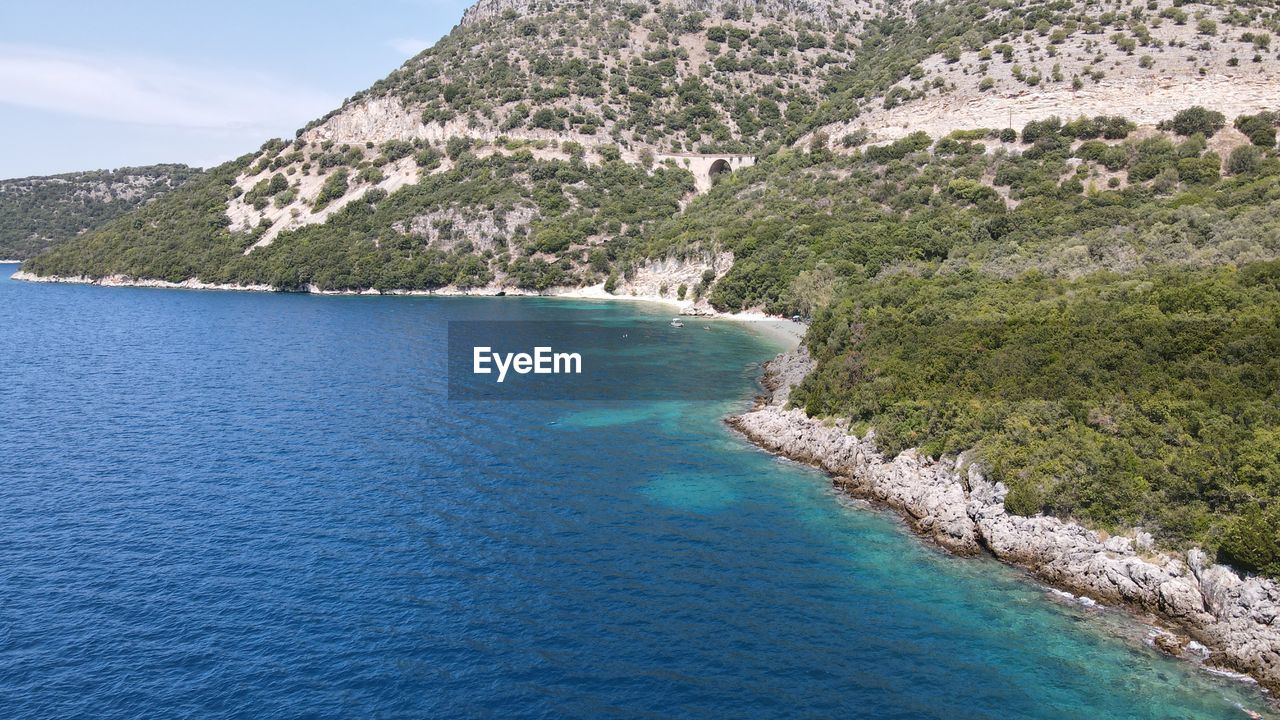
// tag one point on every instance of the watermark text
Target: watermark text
(543, 361)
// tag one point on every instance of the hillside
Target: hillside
(1143, 61)
(971, 199)
(38, 212)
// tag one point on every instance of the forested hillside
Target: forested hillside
(38, 212)
(1097, 319)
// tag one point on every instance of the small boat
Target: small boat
(675, 322)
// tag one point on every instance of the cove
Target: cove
(242, 505)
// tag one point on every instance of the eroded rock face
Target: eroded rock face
(954, 504)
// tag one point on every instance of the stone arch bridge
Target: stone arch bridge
(705, 168)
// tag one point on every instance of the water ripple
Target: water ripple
(235, 506)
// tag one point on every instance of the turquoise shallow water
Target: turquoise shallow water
(245, 505)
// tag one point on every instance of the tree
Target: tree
(278, 184)
(812, 290)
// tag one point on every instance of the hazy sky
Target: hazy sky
(87, 84)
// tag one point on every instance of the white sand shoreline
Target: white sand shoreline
(785, 333)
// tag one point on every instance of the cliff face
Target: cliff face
(952, 503)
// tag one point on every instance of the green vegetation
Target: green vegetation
(625, 73)
(676, 78)
(1090, 310)
(1111, 355)
(1260, 128)
(910, 205)
(412, 239)
(1196, 121)
(1141, 400)
(38, 212)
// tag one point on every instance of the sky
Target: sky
(87, 84)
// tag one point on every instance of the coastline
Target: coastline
(1228, 625)
(786, 334)
(1208, 613)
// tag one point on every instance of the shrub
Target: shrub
(1151, 156)
(1112, 157)
(547, 119)
(1037, 129)
(278, 184)
(1116, 127)
(970, 191)
(856, 138)
(1083, 128)
(428, 159)
(1196, 119)
(1200, 170)
(335, 186)
(1252, 542)
(393, 150)
(1244, 160)
(898, 149)
(456, 146)
(1260, 128)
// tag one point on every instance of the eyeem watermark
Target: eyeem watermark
(613, 359)
(543, 361)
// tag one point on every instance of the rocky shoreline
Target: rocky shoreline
(1213, 615)
(193, 284)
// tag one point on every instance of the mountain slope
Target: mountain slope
(38, 212)
(570, 100)
(1144, 61)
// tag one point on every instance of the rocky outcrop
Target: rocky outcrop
(951, 502)
(662, 277)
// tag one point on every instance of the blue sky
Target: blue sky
(93, 84)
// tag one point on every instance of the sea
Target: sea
(269, 505)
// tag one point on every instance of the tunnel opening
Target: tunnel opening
(718, 168)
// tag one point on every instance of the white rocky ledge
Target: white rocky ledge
(952, 503)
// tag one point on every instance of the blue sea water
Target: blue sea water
(226, 505)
